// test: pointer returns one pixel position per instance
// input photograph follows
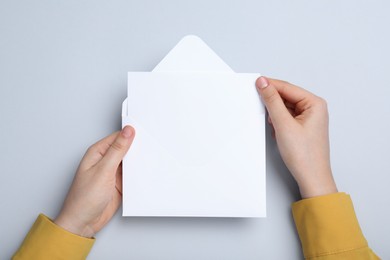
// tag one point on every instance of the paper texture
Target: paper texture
(199, 148)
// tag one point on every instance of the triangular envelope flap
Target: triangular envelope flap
(192, 54)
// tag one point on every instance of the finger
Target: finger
(272, 100)
(289, 105)
(96, 151)
(291, 93)
(118, 183)
(291, 111)
(269, 120)
(297, 98)
(118, 149)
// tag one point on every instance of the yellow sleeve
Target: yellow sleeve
(46, 240)
(329, 230)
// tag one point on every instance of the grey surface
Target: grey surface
(63, 69)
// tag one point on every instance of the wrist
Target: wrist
(310, 192)
(74, 226)
(317, 185)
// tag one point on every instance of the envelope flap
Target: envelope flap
(192, 54)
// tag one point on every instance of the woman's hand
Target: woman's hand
(96, 192)
(300, 123)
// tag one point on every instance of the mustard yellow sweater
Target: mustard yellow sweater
(327, 227)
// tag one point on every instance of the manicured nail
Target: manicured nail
(127, 131)
(262, 82)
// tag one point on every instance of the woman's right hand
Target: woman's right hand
(300, 123)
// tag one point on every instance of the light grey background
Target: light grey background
(63, 70)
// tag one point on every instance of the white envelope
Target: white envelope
(199, 149)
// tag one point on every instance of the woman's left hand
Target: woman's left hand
(96, 191)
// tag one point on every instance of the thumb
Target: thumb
(118, 149)
(277, 110)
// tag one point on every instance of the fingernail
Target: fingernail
(262, 82)
(127, 131)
